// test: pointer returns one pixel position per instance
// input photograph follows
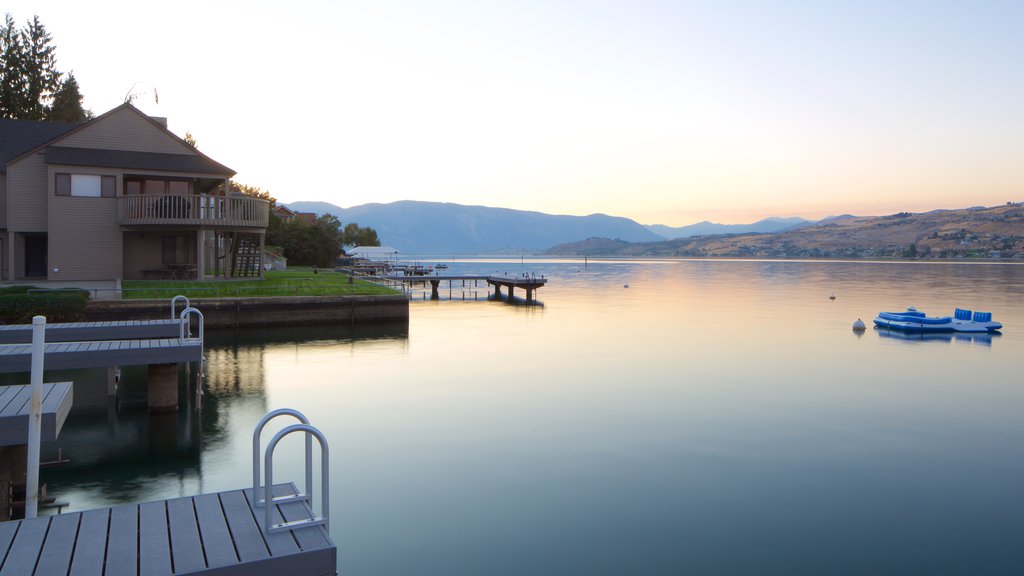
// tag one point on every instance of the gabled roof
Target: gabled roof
(136, 160)
(25, 151)
(20, 136)
(284, 211)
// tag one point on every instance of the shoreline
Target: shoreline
(269, 311)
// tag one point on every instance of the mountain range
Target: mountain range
(444, 228)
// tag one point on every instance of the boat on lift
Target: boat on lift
(913, 320)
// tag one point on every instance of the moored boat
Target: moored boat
(913, 320)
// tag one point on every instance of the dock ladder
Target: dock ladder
(268, 466)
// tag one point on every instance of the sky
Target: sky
(666, 112)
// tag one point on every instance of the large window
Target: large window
(156, 186)
(85, 185)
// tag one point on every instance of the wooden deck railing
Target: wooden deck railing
(242, 211)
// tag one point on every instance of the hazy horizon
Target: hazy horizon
(659, 111)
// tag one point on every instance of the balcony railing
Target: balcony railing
(151, 209)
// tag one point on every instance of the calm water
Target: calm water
(716, 417)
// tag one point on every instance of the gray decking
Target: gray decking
(100, 354)
(14, 407)
(211, 534)
(84, 331)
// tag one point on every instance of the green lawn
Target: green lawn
(292, 282)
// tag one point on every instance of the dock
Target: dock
(527, 282)
(215, 534)
(103, 353)
(83, 331)
(14, 408)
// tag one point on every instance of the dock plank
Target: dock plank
(90, 547)
(60, 542)
(248, 538)
(56, 404)
(122, 545)
(186, 550)
(154, 545)
(25, 549)
(220, 550)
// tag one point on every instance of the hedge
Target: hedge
(18, 305)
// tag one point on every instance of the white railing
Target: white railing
(145, 209)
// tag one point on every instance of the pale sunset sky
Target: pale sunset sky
(666, 112)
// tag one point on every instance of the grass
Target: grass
(291, 282)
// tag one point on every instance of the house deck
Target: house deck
(100, 354)
(83, 331)
(14, 407)
(216, 534)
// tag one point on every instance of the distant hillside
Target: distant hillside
(996, 232)
(442, 228)
(705, 228)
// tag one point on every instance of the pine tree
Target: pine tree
(42, 78)
(11, 70)
(67, 103)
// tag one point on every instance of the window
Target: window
(85, 185)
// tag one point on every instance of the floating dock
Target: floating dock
(56, 402)
(527, 282)
(210, 534)
(102, 353)
(83, 331)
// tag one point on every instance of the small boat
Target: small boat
(913, 320)
(440, 266)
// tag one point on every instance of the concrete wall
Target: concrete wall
(274, 311)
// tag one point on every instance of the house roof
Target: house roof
(284, 211)
(20, 136)
(25, 150)
(135, 160)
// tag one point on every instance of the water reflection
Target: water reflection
(982, 339)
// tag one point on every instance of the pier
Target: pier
(527, 282)
(81, 331)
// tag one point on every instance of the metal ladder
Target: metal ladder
(268, 466)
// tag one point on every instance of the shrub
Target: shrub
(18, 305)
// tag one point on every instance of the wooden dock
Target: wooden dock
(216, 534)
(527, 282)
(14, 408)
(84, 331)
(101, 354)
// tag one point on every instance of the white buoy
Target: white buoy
(859, 325)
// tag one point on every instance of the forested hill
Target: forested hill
(442, 228)
(996, 232)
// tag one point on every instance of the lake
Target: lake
(715, 417)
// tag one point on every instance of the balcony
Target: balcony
(210, 211)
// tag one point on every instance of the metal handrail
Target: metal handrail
(186, 323)
(174, 302)
(257, 432)
(268, 495)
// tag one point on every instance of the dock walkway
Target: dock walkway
(56, 402)
(215, 534)
(83, 331)
(103, 353)
(526, 282)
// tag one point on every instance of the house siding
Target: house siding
(3, 201)
(84, 237)
(125, 129)
(26, 194)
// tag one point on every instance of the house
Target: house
(120, 196)
(286, 214)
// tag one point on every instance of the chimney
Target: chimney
(161, 120)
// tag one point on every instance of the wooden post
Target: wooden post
(35, 417)
(433, 289)
(163, 387)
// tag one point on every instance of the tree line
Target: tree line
(31, 85)
(310, 244)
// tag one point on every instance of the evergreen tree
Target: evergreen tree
(29, 77)
(67, 103)
(11, 67)
(42, 78)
